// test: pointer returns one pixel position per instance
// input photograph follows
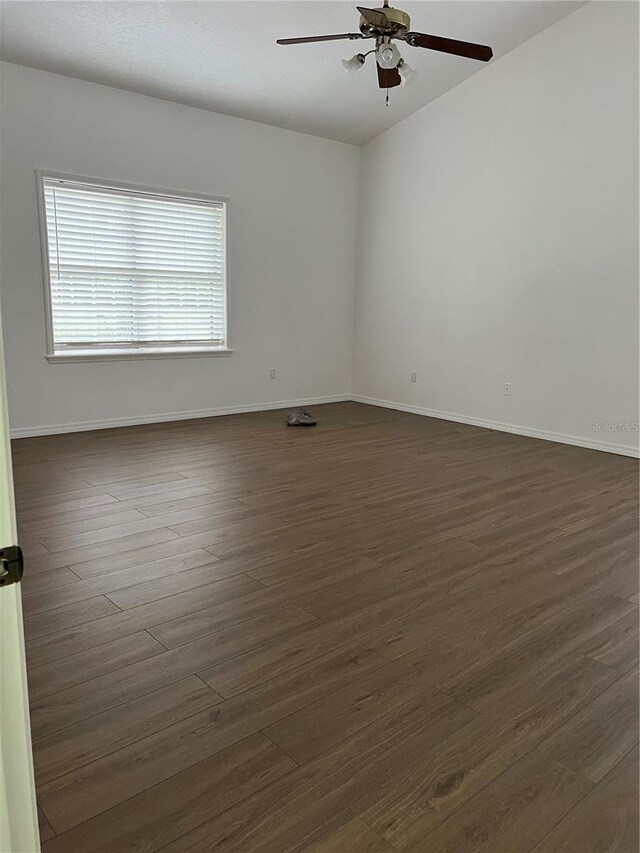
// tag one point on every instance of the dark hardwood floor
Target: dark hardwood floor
(386, 633)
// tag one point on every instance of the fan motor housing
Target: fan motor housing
(398, 19)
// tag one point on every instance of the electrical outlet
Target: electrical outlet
(414, 376)
(507, 389)
(272, 373)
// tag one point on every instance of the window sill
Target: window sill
(137, 354)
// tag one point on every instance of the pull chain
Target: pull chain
(387, 98)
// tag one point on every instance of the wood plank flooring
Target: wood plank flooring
(386, 633)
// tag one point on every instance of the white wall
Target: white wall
(499, 240)
(292, 253)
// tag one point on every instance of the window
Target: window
(133, 272)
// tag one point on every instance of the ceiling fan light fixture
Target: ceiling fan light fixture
(354, 64)
(406, 72)
(383, 25)
(388, 55)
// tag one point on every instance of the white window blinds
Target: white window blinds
(133, 270)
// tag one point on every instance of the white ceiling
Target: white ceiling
(221, 55)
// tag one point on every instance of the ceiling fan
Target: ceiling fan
(385, 24)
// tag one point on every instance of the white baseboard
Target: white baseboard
(562, 438)
(110, 423)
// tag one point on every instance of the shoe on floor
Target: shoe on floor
(300, 417)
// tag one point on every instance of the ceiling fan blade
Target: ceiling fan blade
(458, 48)
(306, 39)
(388, 77)
(374, 17)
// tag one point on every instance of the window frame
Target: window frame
(139, 352)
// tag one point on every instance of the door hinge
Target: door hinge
(11, 565)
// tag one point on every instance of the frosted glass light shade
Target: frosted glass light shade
(354, 64)
(406, 72)
(388, 55)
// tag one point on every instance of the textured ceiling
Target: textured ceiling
(222, 55)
